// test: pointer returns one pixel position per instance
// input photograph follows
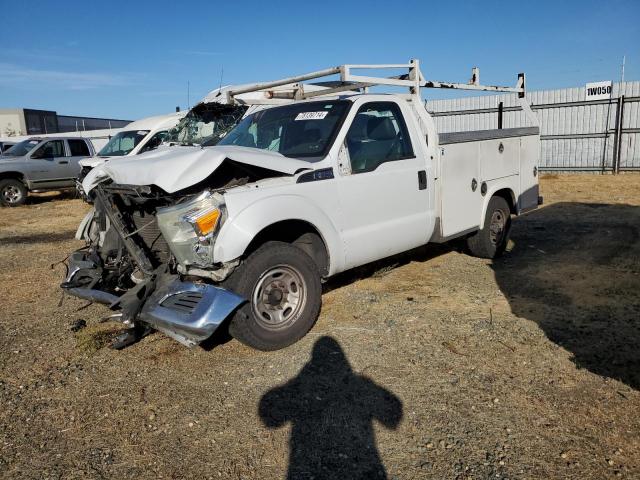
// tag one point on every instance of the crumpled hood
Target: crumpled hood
(176, 168)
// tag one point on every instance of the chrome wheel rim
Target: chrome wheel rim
(278, 297)
(11, 194)
(497, 227)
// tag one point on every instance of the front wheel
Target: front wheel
(13, 192)
(284, 293)
(491, 240)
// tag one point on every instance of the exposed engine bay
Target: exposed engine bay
(149, 254)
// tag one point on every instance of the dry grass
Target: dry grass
(526, 367)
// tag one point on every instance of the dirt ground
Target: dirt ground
(433, 365)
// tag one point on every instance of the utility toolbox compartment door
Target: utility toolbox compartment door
(461, 203)
(529, 154)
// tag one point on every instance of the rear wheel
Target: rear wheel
(284, 293)
(13, 192)
(491, 240)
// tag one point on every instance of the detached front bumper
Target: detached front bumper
(188, 312)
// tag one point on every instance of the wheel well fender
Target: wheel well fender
(290, 218)
(14, 175)
(506, 193)
(299, 233)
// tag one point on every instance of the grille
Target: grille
(185, 302)
(152, 239)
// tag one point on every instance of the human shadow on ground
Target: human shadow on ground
(575, 271)
(331, 410)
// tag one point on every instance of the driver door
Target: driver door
(383, 194)
(50, 165)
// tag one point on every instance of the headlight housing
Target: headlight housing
(190, 228)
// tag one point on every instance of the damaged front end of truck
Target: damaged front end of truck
(149, 254)
(129, 265)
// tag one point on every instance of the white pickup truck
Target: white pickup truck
(243, 233)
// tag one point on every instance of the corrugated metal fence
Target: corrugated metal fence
(576, 135)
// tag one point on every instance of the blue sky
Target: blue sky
(133, 59)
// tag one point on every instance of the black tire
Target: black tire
(13, 192)
(491, 240)
(284, 292)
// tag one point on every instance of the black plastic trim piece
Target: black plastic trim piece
(316, 175)
(422, 180)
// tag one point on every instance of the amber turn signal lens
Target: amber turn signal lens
(207, 222)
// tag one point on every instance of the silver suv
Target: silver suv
(40, 164)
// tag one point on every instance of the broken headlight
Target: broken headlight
(190, 228)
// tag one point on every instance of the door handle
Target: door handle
(422, 180)
(62, 162)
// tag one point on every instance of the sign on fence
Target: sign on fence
(598, 90)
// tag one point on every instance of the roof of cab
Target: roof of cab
(159, 121)
(61, 137)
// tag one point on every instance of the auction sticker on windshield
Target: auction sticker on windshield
(311, 115)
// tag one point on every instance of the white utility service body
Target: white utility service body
(368, 216)
(383, 181)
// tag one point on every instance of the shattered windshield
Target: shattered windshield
(122, 143)
(298, 130)
(20, 149)
(205, 124)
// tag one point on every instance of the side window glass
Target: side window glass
(155, 141)
(78, 148)
(377, 135)
(54, 148)
(126, 144)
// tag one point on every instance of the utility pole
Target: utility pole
(624, 58)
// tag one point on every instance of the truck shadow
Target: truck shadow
(38, 198)
(386, 265)
(378, 268)
(575, 271)
(39, 238)
(331, 410)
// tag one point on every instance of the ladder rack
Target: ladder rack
(413, 80)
